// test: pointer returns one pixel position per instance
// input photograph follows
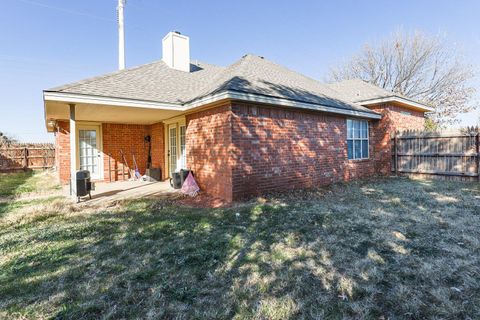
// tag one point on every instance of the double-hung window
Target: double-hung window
(357, 139)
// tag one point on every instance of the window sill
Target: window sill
(359, 160)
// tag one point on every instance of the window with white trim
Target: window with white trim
(357, 139)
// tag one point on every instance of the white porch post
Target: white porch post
(73, 152)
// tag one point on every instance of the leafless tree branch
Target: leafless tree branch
(5, 140)
(417, 66)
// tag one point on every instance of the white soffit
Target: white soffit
(121, 102)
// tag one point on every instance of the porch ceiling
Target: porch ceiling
(55, 110)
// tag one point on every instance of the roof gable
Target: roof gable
(365, 93)
(256, 75)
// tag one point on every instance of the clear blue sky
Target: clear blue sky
(44, 43)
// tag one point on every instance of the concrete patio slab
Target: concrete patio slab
(127, 190)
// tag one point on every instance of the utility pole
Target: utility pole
(121, 35)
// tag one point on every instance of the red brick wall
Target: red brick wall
(400, 118)
(158, 147)
(276, 148)
(130, 139)
(393, 118)
(62, 151)
(240, 149)
(208, 144)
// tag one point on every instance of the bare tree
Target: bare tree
(5, 140)
(419, 67)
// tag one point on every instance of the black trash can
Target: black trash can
(84, 185)
(176, 180)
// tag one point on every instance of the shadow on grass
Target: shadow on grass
(8, 206)
(363, 250)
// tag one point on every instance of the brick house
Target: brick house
(244, 129)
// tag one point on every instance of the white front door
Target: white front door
(89, 154)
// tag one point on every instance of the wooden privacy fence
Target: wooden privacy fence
(27, 156)
(452, 154)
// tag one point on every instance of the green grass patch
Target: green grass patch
(390, 248)
(14, 184)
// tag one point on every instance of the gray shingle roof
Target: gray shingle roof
(150, 82)
(251, 74)
(357, 90)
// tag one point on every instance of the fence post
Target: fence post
(395, 146)
(45, 154)
(25, 159)
(477, 146)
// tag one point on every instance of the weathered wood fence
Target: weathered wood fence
(27, 156)
(448, 155)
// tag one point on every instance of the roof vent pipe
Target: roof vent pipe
(176, 51)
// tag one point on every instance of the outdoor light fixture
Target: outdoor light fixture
(52, 123)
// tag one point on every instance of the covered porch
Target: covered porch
(115, 141)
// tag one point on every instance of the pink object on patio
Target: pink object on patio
(190, 186)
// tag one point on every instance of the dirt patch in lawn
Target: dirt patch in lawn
(203, 200)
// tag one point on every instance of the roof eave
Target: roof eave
(406, 102)
(231, 95)
(251, 97)
(49, 128)
(68, 97)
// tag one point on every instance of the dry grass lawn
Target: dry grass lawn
(26, 184)
(389, 248)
